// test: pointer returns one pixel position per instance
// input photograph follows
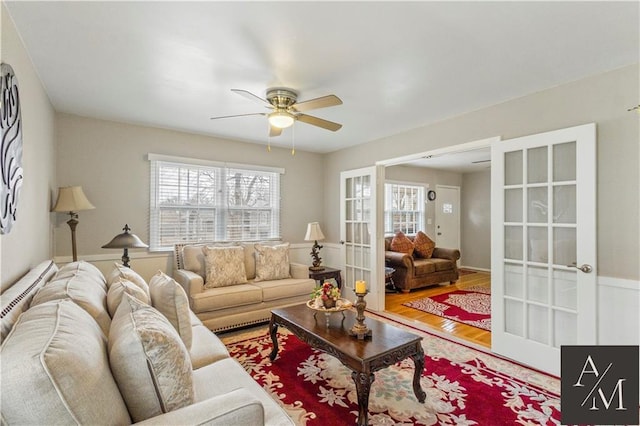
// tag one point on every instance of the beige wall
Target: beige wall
(29, 241)
(475, 220)
(109, 160)
(430, 177)
(603, 99)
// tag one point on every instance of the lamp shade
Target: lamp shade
(314, 233)
(72, 199)
(125, 240)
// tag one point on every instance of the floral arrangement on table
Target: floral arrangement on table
(326, 295)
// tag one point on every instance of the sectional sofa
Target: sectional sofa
(82, 348)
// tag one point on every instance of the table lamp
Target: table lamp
(71, 199)
(125, 241)
(314, 233)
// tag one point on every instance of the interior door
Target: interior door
(448, 216)
(543, 229)
(360, 233)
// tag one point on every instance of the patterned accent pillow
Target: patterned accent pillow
(150, 363)
(119, 287)
(170, 299)
(423, 245)
(224, 265)
(402, 244)
(272, 262)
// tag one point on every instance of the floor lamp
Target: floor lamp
(71, 199)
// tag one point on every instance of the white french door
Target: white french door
(360, 233)
(543, 265)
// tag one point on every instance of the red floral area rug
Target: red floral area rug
(464, 386)
(471, 306)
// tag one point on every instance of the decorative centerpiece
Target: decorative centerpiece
(360, 329)
(326, 299)
(326, 294)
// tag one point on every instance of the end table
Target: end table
(327, 273)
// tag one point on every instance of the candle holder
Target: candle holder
(359, 329)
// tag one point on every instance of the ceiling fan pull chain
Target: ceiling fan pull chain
(293, 139)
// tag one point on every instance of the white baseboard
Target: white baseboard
(473, 268)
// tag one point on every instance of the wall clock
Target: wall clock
(431, 195)
(10, 148)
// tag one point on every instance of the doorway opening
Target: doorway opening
(460, 173)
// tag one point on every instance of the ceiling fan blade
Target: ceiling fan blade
(315, 121)
(239, 115)
(253, 97)
(323, 102)
(274, 131)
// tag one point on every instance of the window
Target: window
(194, 200)
(403, 208)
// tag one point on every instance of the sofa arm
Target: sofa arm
(395, 259)
(238, 407)
(298, 270)
(190, 281)
(445, 253)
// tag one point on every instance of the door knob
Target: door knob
(342, 242)
(584, 268)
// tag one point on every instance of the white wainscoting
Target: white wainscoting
(618, 311)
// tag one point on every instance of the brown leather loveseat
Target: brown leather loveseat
(415, 272)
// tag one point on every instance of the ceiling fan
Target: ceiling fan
(286, 109)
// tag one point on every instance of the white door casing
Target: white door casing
(447, 216)
(543, 229)
(361, 232)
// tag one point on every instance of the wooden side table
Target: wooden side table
(326, 273)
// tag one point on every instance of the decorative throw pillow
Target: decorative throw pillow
(272, 262)
(168, 297)
(118, 288)
(401, 243)
(423, 245)
(121, 271)
(150, 363)
(224, 265)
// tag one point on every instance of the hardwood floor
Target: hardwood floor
(394, 301)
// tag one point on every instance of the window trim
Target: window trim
(155, 208)
(425, 188)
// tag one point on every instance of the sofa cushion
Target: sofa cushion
(57, 351)
(401, 243)
(119, 287)
(89, 273)
(442, 264)
(272, 262)
(290, 287)
(17, 298)
(227, 375)
(423, 245)
(168, 297)
(424, 267)
(121, 271)
(226, 297)
(206, 347)
(225, 266)
(150, 363)
(76, 286)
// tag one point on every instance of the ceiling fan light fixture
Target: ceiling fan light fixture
(281, 119)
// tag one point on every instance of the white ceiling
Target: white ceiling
(471, 161)
(396, 66)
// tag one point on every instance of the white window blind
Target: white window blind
(195, 201)
(404, 208)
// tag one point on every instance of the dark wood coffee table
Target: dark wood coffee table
(387, 346)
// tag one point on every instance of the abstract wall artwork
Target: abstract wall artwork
(10, 148)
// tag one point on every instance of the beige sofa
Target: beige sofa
(228, 307)
(66, 360)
